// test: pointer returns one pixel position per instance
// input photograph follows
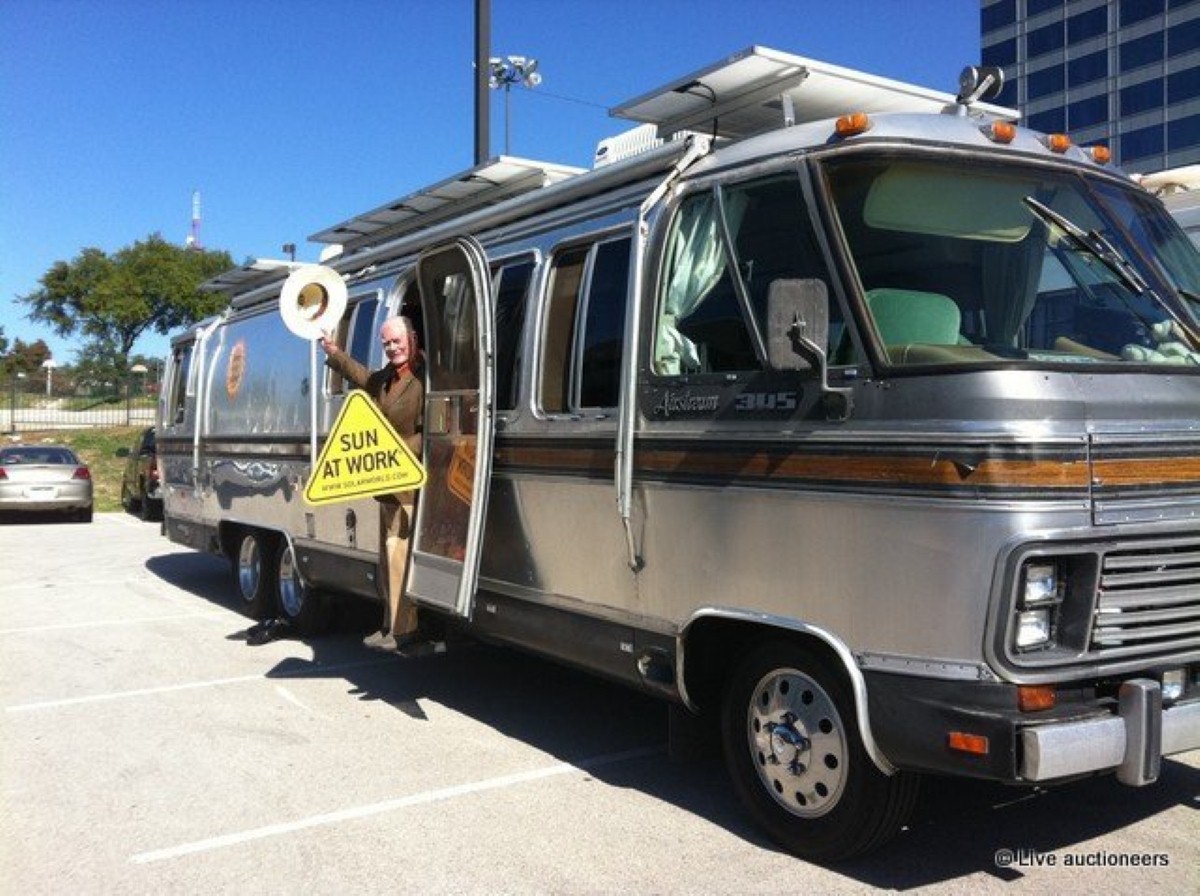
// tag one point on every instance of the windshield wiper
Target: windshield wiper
(1093, 242)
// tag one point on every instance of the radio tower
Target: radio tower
(193, 240)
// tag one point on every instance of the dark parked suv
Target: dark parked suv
(139, 486)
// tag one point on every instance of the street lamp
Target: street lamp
(49, 364)
(509, 71)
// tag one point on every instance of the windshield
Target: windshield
(964, 264)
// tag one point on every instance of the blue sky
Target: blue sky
(290, 117)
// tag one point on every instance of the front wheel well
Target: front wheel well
(712, 647)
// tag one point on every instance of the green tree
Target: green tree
(112, 300)
(22, 356)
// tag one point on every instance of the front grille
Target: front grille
(1149, 602)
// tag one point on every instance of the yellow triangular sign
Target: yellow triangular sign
(363, 456)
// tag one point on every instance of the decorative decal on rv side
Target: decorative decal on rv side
(235, 370)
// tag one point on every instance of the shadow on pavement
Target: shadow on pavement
(955, 832)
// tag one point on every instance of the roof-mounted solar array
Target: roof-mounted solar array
(487, 184)
(256, 273)
(760, 89)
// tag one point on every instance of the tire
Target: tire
(127, 501)
(794, 751)
(254, 573)
(306, 610)
(149, 510)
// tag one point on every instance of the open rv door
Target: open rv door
(456, 304)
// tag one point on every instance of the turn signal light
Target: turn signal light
(976, 744)
(1031, 698)
(81, 473)
(850, 125)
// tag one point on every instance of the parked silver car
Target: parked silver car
(45, 478)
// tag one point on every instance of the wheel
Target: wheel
(794, 751)
(149, 510)
(253, 573)
(84, 514)
(127, 501)
(306, 610)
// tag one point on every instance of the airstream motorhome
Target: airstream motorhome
(850, 413)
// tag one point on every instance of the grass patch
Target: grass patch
(97, 447)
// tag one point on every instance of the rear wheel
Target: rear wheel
(253, 573)
(796, 756)
(306, 610)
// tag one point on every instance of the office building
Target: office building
(1125, 73)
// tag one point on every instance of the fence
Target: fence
(31, 403)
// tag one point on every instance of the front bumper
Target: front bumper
(912, 720)
(1130, 743)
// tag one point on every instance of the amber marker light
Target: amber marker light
(852, 124)
(1058, 142)
(975, 744)
(1101, 155)
(1032, 698)
(1001, 131)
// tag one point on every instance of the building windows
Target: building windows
(1047, 81)
(1051, 121)
(1184, 85)
(1087, 25)
(1037, 7)
(1183, 133)
(1142, 142)
(1001, 54)
(1135, 10)
(1086, 113)
(998, 15)
(1086, 69)
(1142, 97)
(1183, 38)
(1044, 40)
(1141, 51)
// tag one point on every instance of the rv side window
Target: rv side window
(709, 281)
(604, 326)
(181, 372)
(511, 289)
(356, 332)
(584, 326)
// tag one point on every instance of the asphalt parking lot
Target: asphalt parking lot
(145, 747)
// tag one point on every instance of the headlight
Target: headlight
(1038, 601)
(1041, 585)
(1033, 629)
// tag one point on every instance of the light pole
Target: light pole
(509, 71)
(48, 365)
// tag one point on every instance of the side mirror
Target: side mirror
(797, 324)
(797, 334)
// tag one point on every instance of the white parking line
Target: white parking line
(192, 685)
(96, 623)
(416, 799)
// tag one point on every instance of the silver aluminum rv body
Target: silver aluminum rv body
(727, 470)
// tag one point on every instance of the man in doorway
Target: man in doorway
(399, 391)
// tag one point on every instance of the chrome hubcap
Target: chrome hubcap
(249, 569)
(798, 743)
